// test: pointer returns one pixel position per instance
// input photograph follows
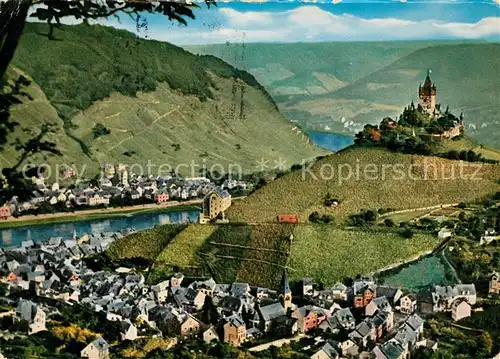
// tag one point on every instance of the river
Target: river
(330, 141)
(40, 232)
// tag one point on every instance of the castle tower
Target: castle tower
(285, 292)
(427, 95)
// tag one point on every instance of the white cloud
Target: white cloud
(311, 23)
(246, 19)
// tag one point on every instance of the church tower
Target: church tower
(427, 95)
(285, 292)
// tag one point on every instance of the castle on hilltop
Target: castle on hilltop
(427, 103)
(427, 95)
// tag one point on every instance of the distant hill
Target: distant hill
(340, 87)
(158, 101)
(357, 178)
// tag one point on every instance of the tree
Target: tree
(407, 233)
(14, 13)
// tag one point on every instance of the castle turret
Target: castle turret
(427, 95)
(285, 292)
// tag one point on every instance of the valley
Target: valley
(340, 87)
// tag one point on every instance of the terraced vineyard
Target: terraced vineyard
(257, 254)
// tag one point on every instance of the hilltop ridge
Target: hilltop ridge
(116, 98)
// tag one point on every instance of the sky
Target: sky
(348, 20)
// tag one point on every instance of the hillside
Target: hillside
(342, 86)
(158, 101)
(367, 178)
(257, 254)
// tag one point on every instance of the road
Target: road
(276, 343)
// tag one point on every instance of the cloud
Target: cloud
(311, 23)
(304, 23)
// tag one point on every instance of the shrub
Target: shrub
(100, 130)
(407, 233)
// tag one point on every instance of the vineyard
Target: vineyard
(329, 255)
(144, 244)
(257, 254)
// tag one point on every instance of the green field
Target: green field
(159, 102)
(329, 255)
(426, 181)
(428, 271)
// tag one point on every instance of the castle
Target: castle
(427, 102)
(427, 95)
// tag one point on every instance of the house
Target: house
(460, 309)
(33, 314)
(444, 296)
(494, 286)
(408, 303)
(393, 295)
(240, 289)
(161, 197)
(189, 299)
(210, 334)
(5, 212)
(235, 330)
(270, 313)
(98, 349)
(377, 304)
(339, 291)
(416, 323)
(215, 203)
(445, 233)
(389, 350)
(327, 351)
(288, 218)
(97, 199)
(427, 343)
(206, 287)
(176, 280)
(364, 332)
(345, 318)
(128, 330)
(307, 318)
(307, 287)
(190, 327)
(364, 290)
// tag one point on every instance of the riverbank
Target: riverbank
(101, 213)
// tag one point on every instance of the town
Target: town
(119, 188)
(360, 320)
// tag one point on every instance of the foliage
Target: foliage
(100, 130)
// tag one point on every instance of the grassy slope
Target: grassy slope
(293, 193)
(203, 104)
